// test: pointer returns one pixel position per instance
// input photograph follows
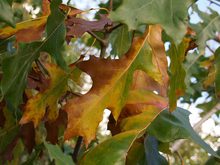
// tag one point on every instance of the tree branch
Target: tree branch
(214, 2)
(210, 49)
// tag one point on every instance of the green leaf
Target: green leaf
(153, 156)
(136, 154)
(121, 40)
(56, 154)
(217, 72)
(208, 27)
(56, 33)
(15, 71)
(110, 152)
(6, 14)
(168, 127)
(9, 131)
(17, 151)
(172, 15)
(177, 72)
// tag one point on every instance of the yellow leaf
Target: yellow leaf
(45, 104)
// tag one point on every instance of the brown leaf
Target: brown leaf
(27, 133)
(53, 127)
(76, 27)
(45, 7)
(2, 117)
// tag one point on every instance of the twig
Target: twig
(68, 2)
(180, 157)
(115, 27)
(214, 2)
(210, 49)
(77, 148)
(97, 37)
(104, 44)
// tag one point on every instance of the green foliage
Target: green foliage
(56, 33)
(6, 14)
(169, 127)
(207, 29)
(16, 68)
(170, 14)
(120, 40)
(51, 94)
(56, 154)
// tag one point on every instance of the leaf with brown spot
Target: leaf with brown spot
(141, 108)
(177, 72)
(159, 55)
(36, 107)
(111, 82)
(32, 29)
(157, 80)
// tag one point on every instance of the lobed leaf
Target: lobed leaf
(171, 15)
(35, 108)
(208, 27)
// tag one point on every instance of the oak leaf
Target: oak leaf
(46, 103)
(111, 82)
